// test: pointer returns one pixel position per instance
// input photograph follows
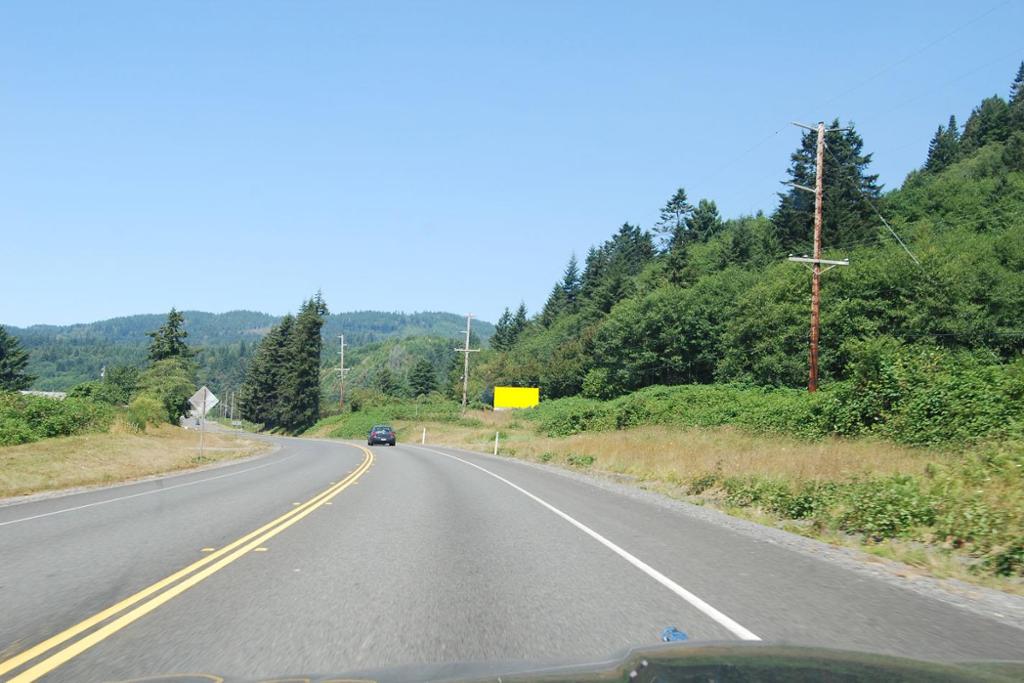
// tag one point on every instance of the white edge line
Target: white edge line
(734, 627)
(145, 493)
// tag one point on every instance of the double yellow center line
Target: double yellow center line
(148, 599)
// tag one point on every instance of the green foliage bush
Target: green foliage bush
(973, 502)
(577, 460)
(170, 382)
(26, 418)
(98, 390)
(145, 410)
(921, 396)
(14, 431)
(886, 508)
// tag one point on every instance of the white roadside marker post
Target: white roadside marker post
(496, 442)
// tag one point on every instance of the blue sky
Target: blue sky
(426, 155)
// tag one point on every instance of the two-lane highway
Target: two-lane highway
(327, 557)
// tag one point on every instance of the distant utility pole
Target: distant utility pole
(341, 394)
(465, 350)
(816, 261)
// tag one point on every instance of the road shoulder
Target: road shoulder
(1001, 606)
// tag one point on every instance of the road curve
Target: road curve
(322, 558)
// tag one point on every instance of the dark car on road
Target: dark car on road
(381, 434)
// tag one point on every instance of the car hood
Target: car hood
(705, 662)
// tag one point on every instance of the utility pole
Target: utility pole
(341, 395)
(465, 350)
(816, 260)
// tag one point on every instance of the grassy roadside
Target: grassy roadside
(113, 456)
(847, 492)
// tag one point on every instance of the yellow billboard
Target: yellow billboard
(516, 397)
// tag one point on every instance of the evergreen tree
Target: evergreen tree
(300, 407)
(169, 339)
(554, 307)
(705, 222)
(422, 379)
(609, 269)
(503, 336)
(989, 122)
(13, 361)
(261, 392)
(571, 283)
(385, 382)
(1017, 100)
(519, 322)
(674, 223)
(847, 215)
(564, 296)
(944, 148)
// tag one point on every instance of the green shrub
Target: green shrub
(171, 381)
(886, 508)
(546, 456)
(567, 416)
(14, 432)
(145, 410)
(25, 418)
(769, 494)
(98, 390)
(919, 396)
(580, 460)
(702, 483)
(813, 500)
(1008, 561)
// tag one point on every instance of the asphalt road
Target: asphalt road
(321, 558)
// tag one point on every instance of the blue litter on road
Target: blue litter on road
(672, 634)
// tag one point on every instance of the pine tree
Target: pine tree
(705, 222)
(564, 297)
(674, 220)
(1017, 100)
(300, 407)
(261, 391)
(944, 149)
(422, 379)
(385, 382)
(609, 269)
(503, 337)
(554, 307)
(989, 122)
(519, 321)
(571, 283)
(13, 361)
(953, 130)
(169, 339)
(848, 217)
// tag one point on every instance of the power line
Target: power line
(915, 53)
(874, 208)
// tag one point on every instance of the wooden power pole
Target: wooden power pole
(465, 350)
(341, 394)
(816, 260)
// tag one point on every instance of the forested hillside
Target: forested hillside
(701, 299)
(61, 356)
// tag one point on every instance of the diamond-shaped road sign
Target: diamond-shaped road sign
(203, 401)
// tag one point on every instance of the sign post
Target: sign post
(201, 402)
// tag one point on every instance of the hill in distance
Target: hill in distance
(61, 356)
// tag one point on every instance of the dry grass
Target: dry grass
(116, 456)
(673, 455)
